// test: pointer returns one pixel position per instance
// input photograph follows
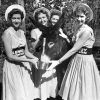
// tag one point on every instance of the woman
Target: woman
(81, 80)
(46, 86)
(55, 16)
(61, 38)
(17, 82)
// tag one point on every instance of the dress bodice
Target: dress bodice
(89, 43)
(17, 43)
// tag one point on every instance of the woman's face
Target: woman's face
(54, 19)
(80, 18)
(43, 19)
(16, 20)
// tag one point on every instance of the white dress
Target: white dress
(48, 85)
(17, 82)
(81, 80)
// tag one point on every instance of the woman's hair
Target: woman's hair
(56, 13)
(41, 11)
(15, 11)
(82, 9)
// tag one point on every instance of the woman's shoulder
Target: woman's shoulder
(87, 28)
(8, 31)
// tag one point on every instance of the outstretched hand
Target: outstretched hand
(53, 65)
(63, 35)
(34, 62)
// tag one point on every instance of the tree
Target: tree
(21, 2)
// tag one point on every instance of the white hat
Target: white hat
(87, 8)
(14, 6)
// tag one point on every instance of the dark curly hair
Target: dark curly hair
(82, 9)
(15, 11)
(55, 12)
(38, 12)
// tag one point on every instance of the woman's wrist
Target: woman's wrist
(59, 61)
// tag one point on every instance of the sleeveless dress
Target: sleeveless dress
(81, 80)
(17, 82)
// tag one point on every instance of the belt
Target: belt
(85, 51)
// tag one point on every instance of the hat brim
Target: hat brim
(87, 8)
(14, 6)
(39, 9)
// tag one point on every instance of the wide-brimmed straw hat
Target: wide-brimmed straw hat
(90, 12)
(41, 9)
(55, 12)
(14, 6)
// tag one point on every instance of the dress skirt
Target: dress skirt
(81, 80)
(45, 84)
(17, 82)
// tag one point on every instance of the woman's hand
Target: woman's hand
(63, 35)
(36, 58)
(34, 62)
(54, 64)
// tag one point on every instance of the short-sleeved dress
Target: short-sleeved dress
(82, 79)
(17, 83)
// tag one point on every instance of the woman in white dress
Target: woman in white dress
(17, 82)
(81, 80)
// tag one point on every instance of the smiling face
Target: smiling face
(16, 20)
(80, 18)
(43, 19)
(54, 19)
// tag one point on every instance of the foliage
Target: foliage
(67, 25)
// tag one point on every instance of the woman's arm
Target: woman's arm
(79, 43)
(63, 35)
